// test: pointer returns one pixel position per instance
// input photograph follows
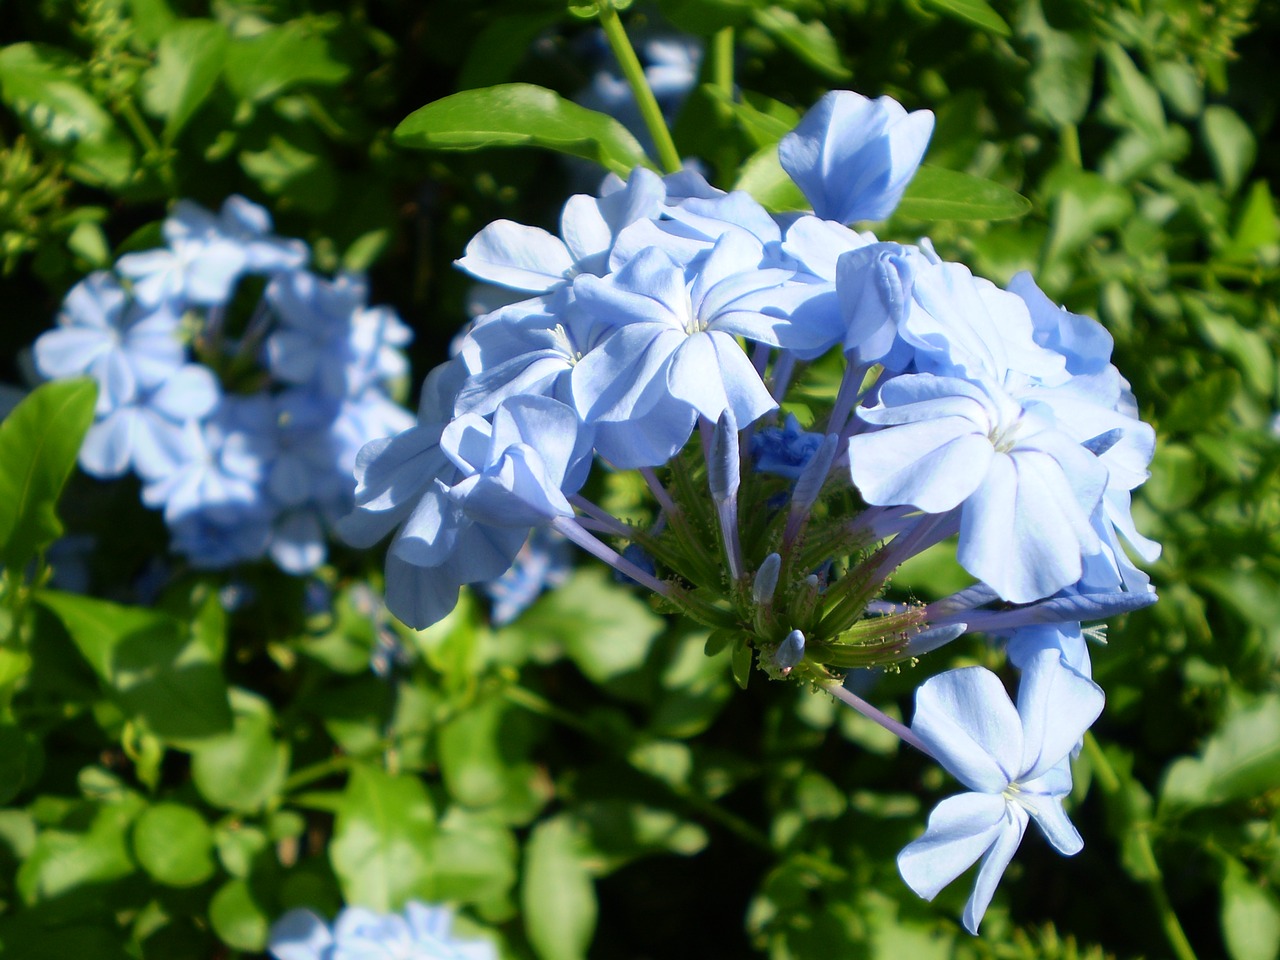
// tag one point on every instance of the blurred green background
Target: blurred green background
(586, 781)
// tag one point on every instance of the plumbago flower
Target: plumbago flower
(245, 439)
(668, 308)
(1013, 759)
(421, 932)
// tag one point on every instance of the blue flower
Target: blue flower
(327, 337)
(673, 344)
(532, 260)
(421, 932)
(463, 493)
(153, 434)
(853, 157)
(100, 335)
(1026, 491)
(784, 451)
(1013, 759)
(207, 254)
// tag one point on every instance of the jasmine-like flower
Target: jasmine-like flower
(206, 254)
(1013, 759)
(421, 932)
(100, 335)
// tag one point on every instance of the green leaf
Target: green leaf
(1084, 205)
(174, 844)
(605, 629)
(269, 63)
(63, 860)
(1136, 102)
(938, 194)
(501, 46)
(1061, 80)
(473, 859)
(483, 760)
(1250, 916)
(151, 19)
(13, 761)
(156, 671)
(1240, 761)
(1231, 145)
(557, 895)
(763, 120)
(521, 115)
(979, 13)
(1257, 233)
(188, 62)
(811, 42)
(762, 176)
(39, 442)
(302, 175)
(39, 87)
(381, 849)
(237, 918)
(245, 768)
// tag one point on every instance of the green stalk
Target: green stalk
(1110, 784)
(614, 32)
(722, 60)
(1069, 137)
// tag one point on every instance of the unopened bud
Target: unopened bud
(789, 653)
(766, 581)
(814, 475)
(723, 468)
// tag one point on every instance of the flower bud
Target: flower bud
(766, 581)
(723, 468)
(789, 653)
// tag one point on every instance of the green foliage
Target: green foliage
(519, 115)
(39, 441)
(181, 764)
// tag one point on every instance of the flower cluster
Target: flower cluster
(243, 423)
(667, 308)
(421, 933)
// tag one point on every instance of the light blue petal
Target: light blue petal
(516, 256)
(192, 392)
(1057, 705)
(1053, 822)
(300, 935)
(613, 381)
(993, 866)
(650, 440)
(108, 446)
(971, 727)
(297, 542)
(430, 533)
(968, 326)
(70, 351)
(934, 465)
(960, 830)
(419, 596)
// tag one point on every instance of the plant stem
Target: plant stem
(722, 60)
(901, 731)
(1070, 144)
(1110, 784)
(621, 46)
